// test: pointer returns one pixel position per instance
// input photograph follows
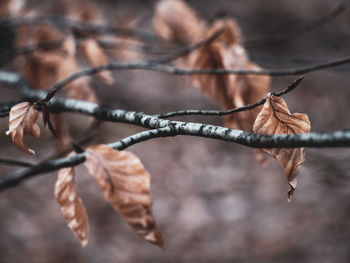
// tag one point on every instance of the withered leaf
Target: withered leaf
(275, 118)
(229, 91)
(23, 119)
(125, 183)
(72, 207)
(43, 68)
(96, 57)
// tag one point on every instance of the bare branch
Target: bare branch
(291, 87)
(333, 139)
(149, 65)
(272, 40)
(52, 165)
(15, 162)
(187, 50)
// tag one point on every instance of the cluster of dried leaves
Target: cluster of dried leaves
(123, 180)
(57, 54)
(176, 21)
(124, 183)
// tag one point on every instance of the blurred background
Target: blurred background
(213, 202)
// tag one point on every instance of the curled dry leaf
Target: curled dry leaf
(23, 119)
(229, 91)
(72, 207)
(125, 183)
(175, 20)
(43, 68)
(275, 118)
(96, 57)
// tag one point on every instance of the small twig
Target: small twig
(271, 40)
(15, 162)
(290, 87)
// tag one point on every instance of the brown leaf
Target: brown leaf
(125, 183)
(43, 68)
(175, 20)
(96, 57)
(72, 207)
(275, 118)
(23, 119)
(229, 91)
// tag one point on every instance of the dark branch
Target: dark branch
(188, 50)
(15, 163)
(52, 165)
(149, 65)
(291, 87)
(272, 40)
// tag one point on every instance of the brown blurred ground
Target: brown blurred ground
(212, 201)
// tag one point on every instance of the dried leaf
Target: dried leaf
(23, 119)
(229, 91)
(175, 20)
(72, 207)
(43, 68)
(96, 57)
(125, 183)
(275, 118)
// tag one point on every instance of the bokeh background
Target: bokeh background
(213, 201)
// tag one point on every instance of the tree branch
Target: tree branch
(15, 178)
(15, 162)
(291, 87)
(149, 65)
(271, 40)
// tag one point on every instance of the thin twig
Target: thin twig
(272, 40)
(291, 87)
(188, 50)
(15, 162)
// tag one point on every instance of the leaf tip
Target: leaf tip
(84, 242)
(31, 152)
